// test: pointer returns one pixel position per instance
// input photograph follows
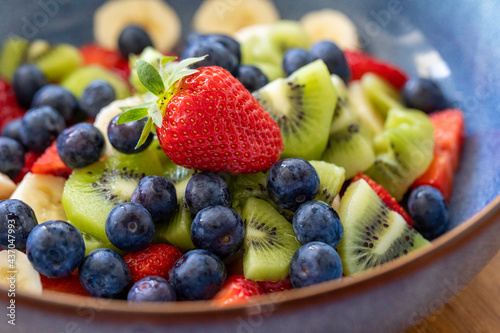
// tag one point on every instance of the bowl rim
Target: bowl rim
(108, 310)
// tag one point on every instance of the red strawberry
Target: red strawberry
(29, 159)
(361, 63)
(50, 163)
(270, 287)
(69, 284)
(213, 123)
(9, 109)
(96, 55)
(236, 290)
(385, 196)
(157, 260)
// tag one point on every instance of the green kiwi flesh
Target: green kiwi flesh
(303, 106)
(177, 231)
(380, 93)
(269, 242)
(59, 61)
(287, 34)
(176, 174)
(363, 109)
(373, 233)
(12, 56)
(92, 243)
(403, 151)
(331, 179)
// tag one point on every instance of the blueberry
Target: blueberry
(104, 274)
(218, 229)
(80, 145)
(197, 275)
(429, 211)
(292, 182)
(252, 77)
(11, 157)
(97, 95)
(334, 59)
(424, 95)
(124, 137)
(317, 221)
(229, 43)
(218, 55)
(152, 289)
(207, 189)
(295, 59)
(133, 40)
(55, 248)
(12, 130)
(40, 127)
(17, 216)
(130, 227)
(27, 80)
(314, 263)
(61, 99)
(193, 37)
(158, 195)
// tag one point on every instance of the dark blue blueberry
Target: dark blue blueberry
(252, 77)
(11, 157)
(12, 130)
(197, 275)
(20, 219)
(295, 59)
(218, 55)
(158, 195)
(314, 263)
(61, 99)
(424, 95)
(97, 95)
(334, 59)
(429, 211)
(193, 37)
(130, 227)
(207, 189)
(133, 40)
(27, 80)
(317, 221)
(229, 43)
(41, 126)
(124, 137)
(80, 145)
(152, 289)
(292, 182)
(104, 274)
(218, 229)
(55, 248)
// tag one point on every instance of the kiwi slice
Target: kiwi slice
(260, 49)
(302, 105)
(272, 71)
(269, 242)
(58, 61)
(92, 243)
(91, 193)
(331, 179)
(373, 233)
(37, 49)
(403, 151)
(177, 231)
(363, 109)
(77, 81)
(176, 174)
(381, 93)
(287, 34)
(12, 56)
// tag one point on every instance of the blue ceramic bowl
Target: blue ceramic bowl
(455, 42)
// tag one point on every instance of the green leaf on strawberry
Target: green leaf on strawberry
(131, 114)
(145, 132)
(150, 77)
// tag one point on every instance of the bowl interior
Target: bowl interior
(454, 42)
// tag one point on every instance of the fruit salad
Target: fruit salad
(256, 155)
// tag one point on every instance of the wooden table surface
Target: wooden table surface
(476, 309)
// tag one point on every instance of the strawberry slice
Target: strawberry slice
(9, 109)
(270, 287)
(385, 196)
(237, 290)
(29, 159)
(69, 284)
(449, 134)
(361, 63)
(50, 163)
(95, 55)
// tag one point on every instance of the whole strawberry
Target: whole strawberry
(156, 259)
(206, 120)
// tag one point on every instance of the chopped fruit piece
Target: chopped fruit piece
(385, 196)
(9, 109)
(236, 290)
(439, 174)
(29, 159)
(361, 64)
(50, 163)
(96, 55)
(270, 287)
(157, 260)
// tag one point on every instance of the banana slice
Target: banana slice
(155, 16)
(15, 268)
(332, 25)
(43, 194)
(227, 17)
(7, 187)
(108, 113)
